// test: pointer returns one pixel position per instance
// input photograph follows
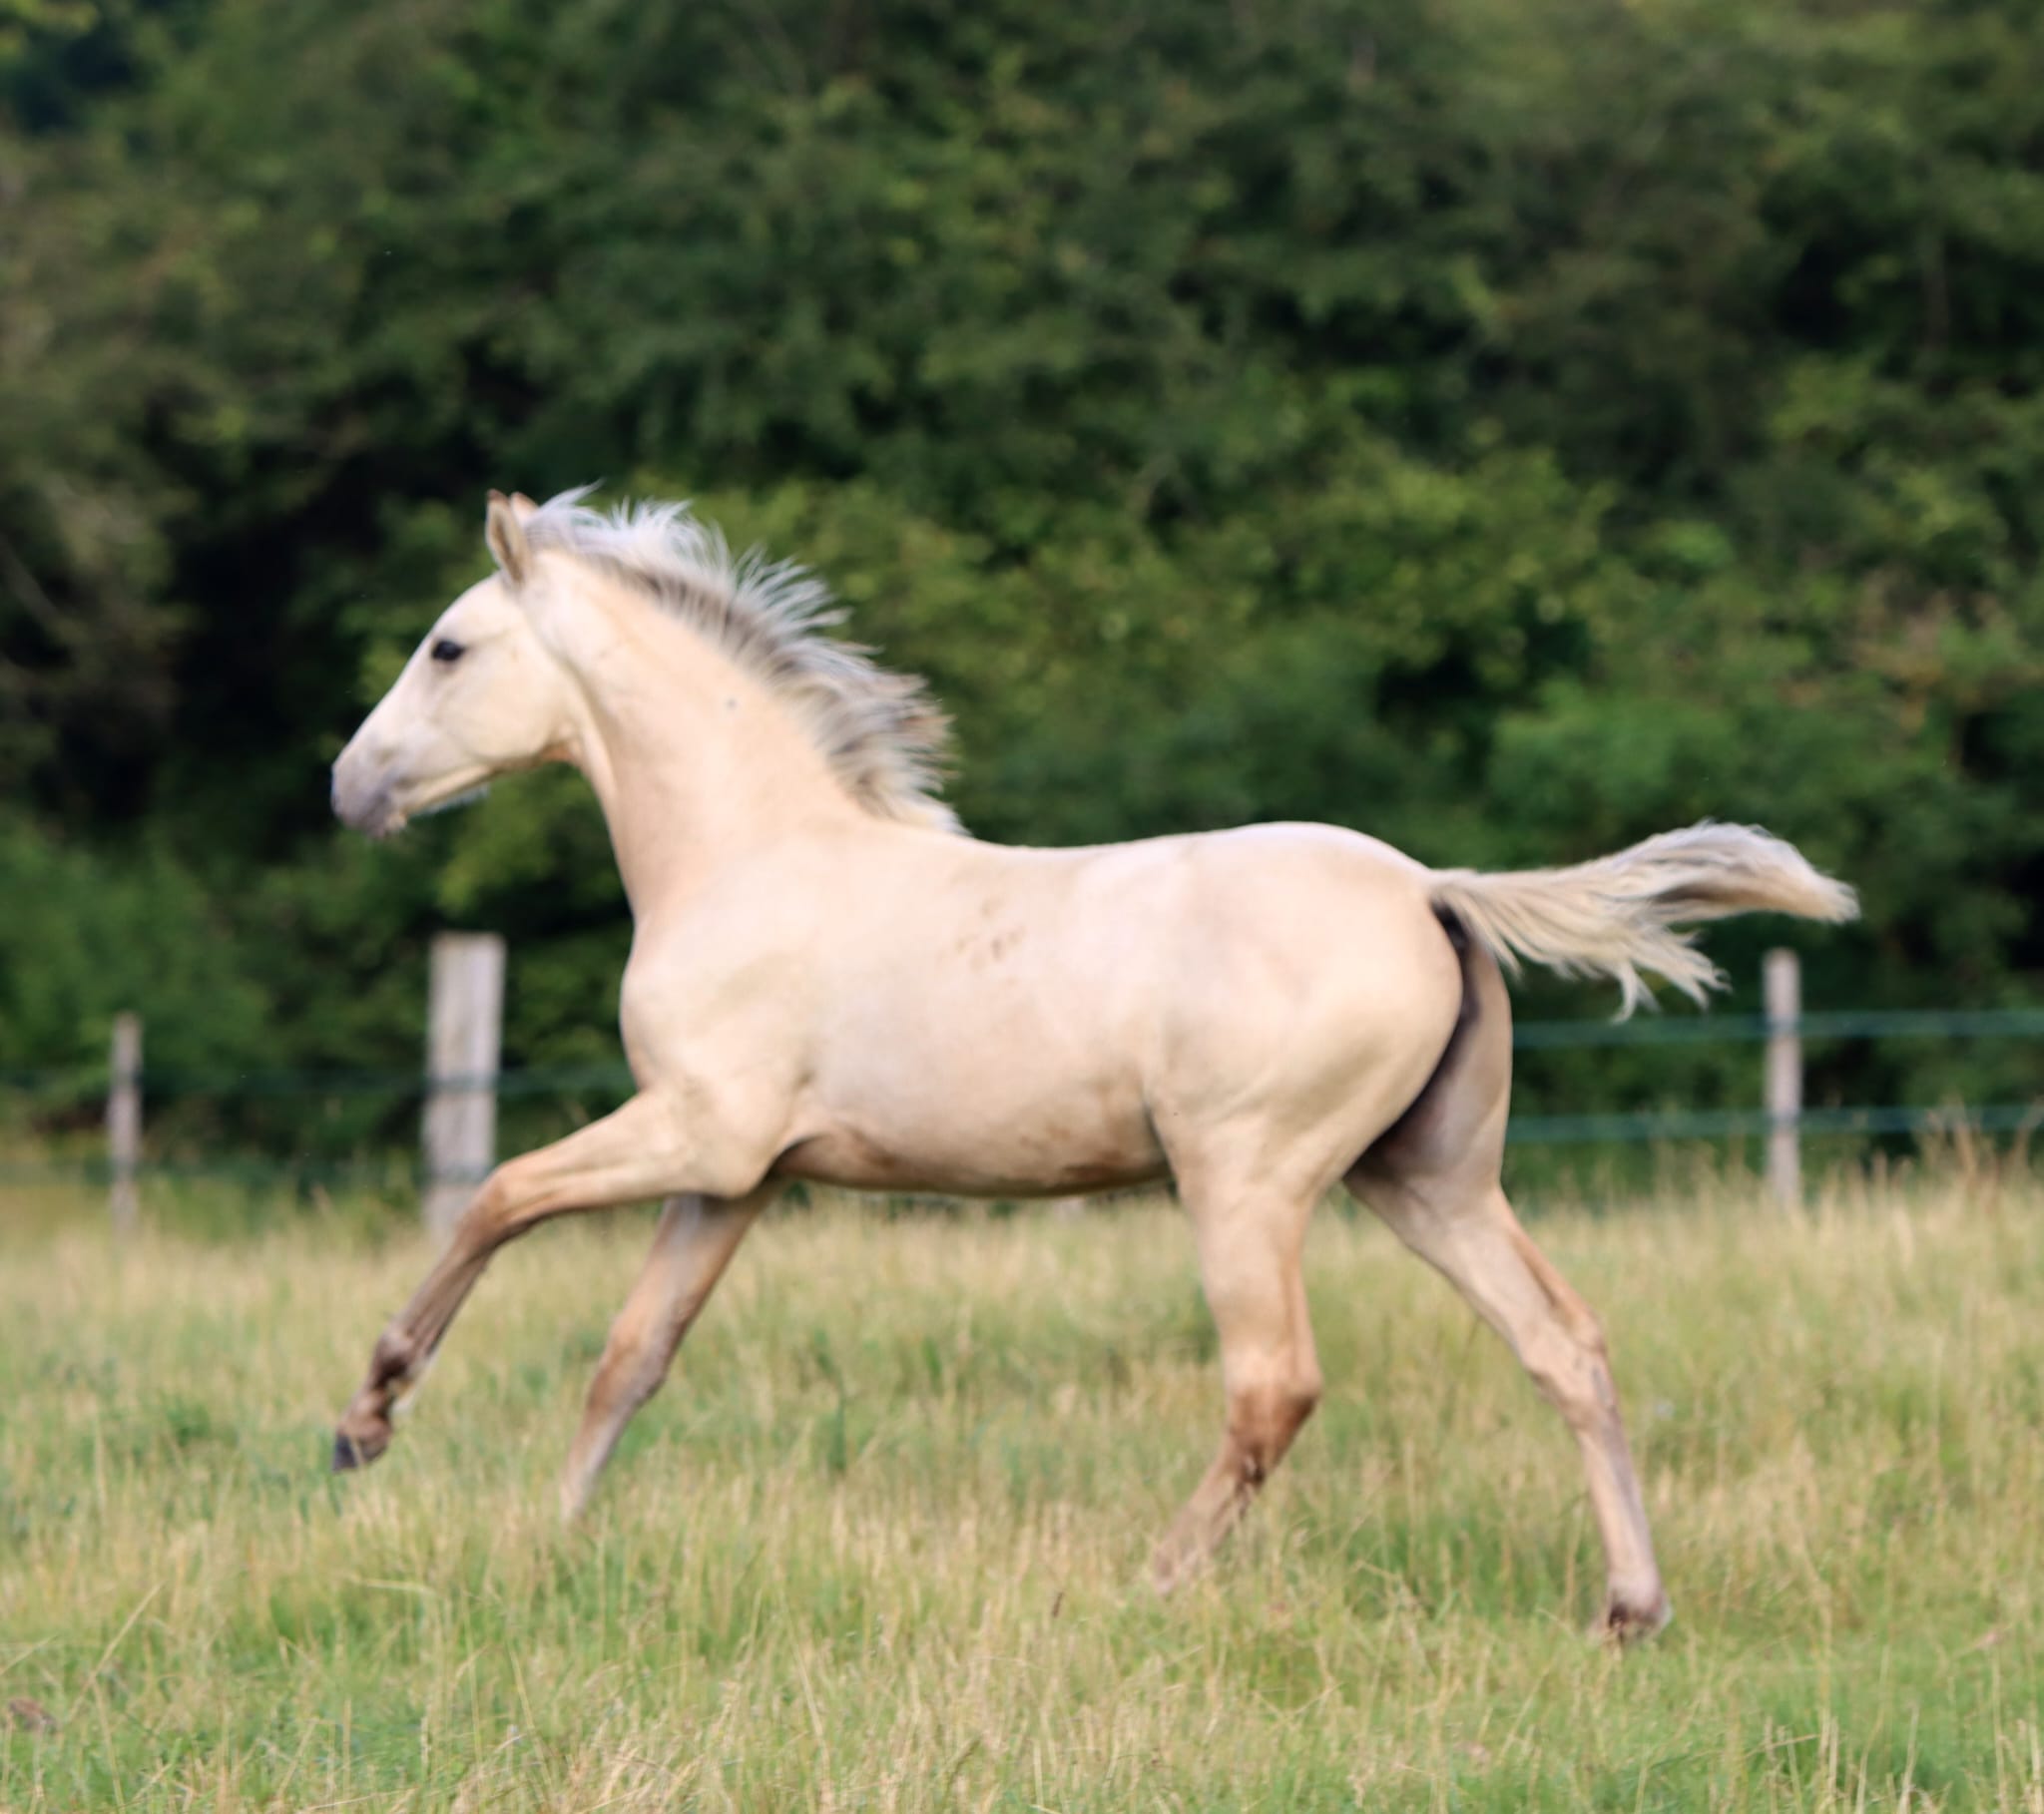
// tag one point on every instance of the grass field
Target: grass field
(881, 1543)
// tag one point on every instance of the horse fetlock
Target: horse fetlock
(394, 1359)
(364, 1430)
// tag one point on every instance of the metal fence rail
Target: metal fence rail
(1782, 1121)
(1731, 1029)
(1724, 1124)
(88, 1083)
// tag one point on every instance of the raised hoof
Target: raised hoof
(1627, 1623)
(357, 1449)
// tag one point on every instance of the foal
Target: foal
(830, 981)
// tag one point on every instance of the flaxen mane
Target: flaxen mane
(882, 733)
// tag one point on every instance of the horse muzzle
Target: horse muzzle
(363, 802)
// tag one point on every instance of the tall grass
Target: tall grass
(880, 1544)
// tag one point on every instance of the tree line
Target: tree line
(1506, 426)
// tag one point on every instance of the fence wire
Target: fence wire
(79, 1084)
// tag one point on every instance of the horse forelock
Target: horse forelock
(882, 733)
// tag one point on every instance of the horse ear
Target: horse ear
(504, 530)
(523, 507)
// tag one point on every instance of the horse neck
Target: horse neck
(695, 762)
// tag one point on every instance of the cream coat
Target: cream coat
(827, 981)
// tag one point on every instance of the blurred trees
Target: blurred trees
(1508, 426)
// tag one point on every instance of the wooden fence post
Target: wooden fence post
(123, 1122)
(464, 1031)
(1783, 978)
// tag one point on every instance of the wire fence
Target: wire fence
(80, 1086)
(1732, 1029)
(89, 1082)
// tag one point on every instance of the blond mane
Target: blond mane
(881, 732)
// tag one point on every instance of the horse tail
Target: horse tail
(1618, 915)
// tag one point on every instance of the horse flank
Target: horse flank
(882, 733)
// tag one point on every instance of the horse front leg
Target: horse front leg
(640, 1151)
(694, 1242)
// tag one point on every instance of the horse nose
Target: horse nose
(340, 793)
(357, 793)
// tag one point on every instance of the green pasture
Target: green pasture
(881, 1543)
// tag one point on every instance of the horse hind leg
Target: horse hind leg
(1249, 1243)
(1478, 1244)
(1434, 1180)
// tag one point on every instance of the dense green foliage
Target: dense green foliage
(1508, 426)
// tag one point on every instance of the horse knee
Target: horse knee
(482, 1221)
(501, 1209)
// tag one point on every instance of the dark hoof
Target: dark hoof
(351, 1451)
(1625, 1625)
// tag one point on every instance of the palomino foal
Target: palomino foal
(830, 981)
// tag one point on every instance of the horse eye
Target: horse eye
(446, 650)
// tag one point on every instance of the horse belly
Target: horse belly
(856, 1162)
(982, 1143)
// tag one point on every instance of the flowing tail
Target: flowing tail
(1618, 915)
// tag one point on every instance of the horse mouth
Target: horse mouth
(382, 815)
(463, 795)
(376, 814)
